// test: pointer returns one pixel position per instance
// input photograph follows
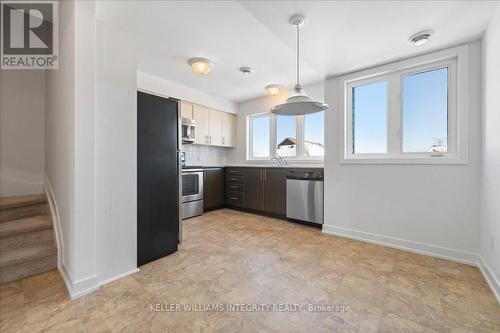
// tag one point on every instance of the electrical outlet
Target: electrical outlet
(492, 243)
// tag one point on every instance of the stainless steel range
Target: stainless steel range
(192, 192)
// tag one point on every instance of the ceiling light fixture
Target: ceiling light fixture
(246, 70)
(201, 66)
(298, 103)
(421, 38)
(274, 89)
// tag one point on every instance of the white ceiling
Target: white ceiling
(339, 36)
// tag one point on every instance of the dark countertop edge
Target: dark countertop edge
(258, 166)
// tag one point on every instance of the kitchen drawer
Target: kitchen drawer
(235, 171)
(235, 199)
(235, 179)
(235, 187)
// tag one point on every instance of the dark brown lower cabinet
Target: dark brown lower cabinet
(275, 191)
(265, 190)
(213, 188)
(254, 189)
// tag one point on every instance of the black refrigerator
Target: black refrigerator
(158, 177)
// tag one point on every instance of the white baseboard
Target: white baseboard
(403, 244)
(491, 279)
(17, 182)
(81, 287)
(119, 276)
(88, 285)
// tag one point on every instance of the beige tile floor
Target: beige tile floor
(234, 257)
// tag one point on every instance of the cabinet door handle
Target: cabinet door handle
(234, 186)
(233, 198)
(233, 171)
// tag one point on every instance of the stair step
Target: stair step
(30, 224)
(27, 240)
(22, 212)
(28, 268)
(24, 254)
(20, 201)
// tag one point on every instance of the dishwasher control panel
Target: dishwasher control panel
(303, 174)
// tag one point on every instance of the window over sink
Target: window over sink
(291, 137)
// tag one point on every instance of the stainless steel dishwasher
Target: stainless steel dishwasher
(304, 195)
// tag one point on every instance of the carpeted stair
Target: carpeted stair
(26, 237)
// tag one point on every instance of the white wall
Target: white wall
(490, 181)
(116, 154)
(431, 208)
(263, 105)
(59, 134)
(91, 150)
(22, 132)
(69, 162)
(159, 86)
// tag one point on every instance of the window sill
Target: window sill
(291, 162)
(445, 160)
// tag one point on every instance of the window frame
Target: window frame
(349, 108)
(299, 157)
(456, 60)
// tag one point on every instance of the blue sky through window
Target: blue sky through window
(425, 111)
(314, 127)
(369, 117)
(260, 136)
(286, 127)
(314, 134)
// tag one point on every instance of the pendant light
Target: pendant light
(298, 103)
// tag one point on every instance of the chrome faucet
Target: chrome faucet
(280, 160)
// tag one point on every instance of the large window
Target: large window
(292, 137)
(407, 112)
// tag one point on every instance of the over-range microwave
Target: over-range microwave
(188, 130)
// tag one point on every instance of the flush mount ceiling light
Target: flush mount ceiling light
(298, 103)
(201, 66)
(246, 70)
(421, 38)
(274, 89)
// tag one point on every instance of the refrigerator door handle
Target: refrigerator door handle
(179, 163)
(179, 172)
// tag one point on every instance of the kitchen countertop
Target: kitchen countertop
(269, 166)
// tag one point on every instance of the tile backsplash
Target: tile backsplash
(207, 155)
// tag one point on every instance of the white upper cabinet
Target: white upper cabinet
(200, 116)
(186, 110)
(228, 129)
(215, 127)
